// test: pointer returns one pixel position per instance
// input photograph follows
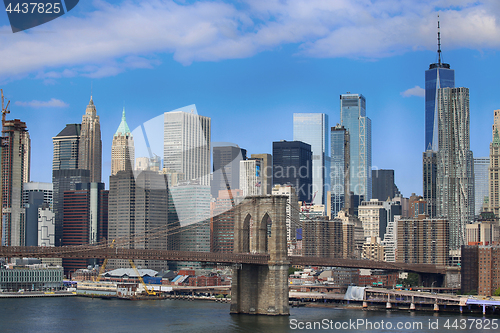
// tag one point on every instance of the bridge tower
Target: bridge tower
(260, 228)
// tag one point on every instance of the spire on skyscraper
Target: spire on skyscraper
(123, 128)
(439, 44)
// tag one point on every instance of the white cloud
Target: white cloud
(115, 38)
(53, 103)
(415, 91)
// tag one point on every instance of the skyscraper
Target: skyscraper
(251, 177)
(267, 172)
(187, 144)
(481, 184)
(353, 118)
(90, 150)
(429, 162)
(15, 172)
(122, 148)
(226, 168)
(292, 162)
(383, 185)
(339, 169)
(312, 128)
(65, 171)
(439, 75)
(494, 167)
(455, 178)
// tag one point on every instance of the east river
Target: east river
(81, 314)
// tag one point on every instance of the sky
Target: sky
(249, 65)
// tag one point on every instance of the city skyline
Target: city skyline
(241, 88)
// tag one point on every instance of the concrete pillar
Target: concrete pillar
(412, 306)
(388, 305)
(436, 307)
(365, 304)
(484, 309)
(461, 309)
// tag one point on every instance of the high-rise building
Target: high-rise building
(429, 162)
(373, 215)
(251, 177)
(339, 170)
(322, 237)
(439, 75)
(494, 167)
(122, 148)
(267, 171)
(353, 118)
(383, 185)
(292, 209)
(45, 188)
(481, 166)
(455, 178)
(226, 161)
(187, 144)
(90, 150)
(292, 162)
(15, 172)
(85, 220)
(312, 128)
(65, 171)
(138, 205)
(222, 218)
(34, 202)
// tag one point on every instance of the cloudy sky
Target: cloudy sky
(249, 65)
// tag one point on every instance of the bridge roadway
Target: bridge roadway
(214, 257)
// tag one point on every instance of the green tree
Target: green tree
(497, 292)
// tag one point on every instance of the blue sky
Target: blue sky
(249, 65)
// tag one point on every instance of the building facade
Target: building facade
(455, 178)
(122, 148)
(15, 172)
(90, 150)
(267, 171)
(481, 184)
(373, 215)
(292, 165)
(383, 185)
(494, 167)
(353, 118)
(312, 128)
(429, 162)
(187, 144)
(251, 177)
(339, 170)
(226, 160)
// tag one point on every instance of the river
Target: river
(81, 314)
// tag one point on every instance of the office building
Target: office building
(251, 177)
(226, 168)
(122, 148)
(353, 118)
(481, 166)
(66, 172)
(455, 178)
(85, 220)
(373, 249)
(222, 220)
(187, 144)
(35, 194)
(45, 188)
(312, 128)
(46, 227)
(439, 75)
(267, 171)
(15, 172)
(383, 185)
(138, 204)
(373, 216)
(429, 162)
(90, 150)
(339, 170)
(423, 240)
(292, 209)
(292, 161)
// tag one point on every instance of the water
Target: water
(81, 314)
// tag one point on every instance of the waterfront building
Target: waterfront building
(312, 128)
(455, 178)
(90, 150)
(353, 118)
(481, 183)
(187, 144)
(423, 240)
(15, 172)
(122, 148)
(383, 185)
(292, 165)
(30, 275)
(267, 171)
(65, 171)
(338, 196)
(226, 160)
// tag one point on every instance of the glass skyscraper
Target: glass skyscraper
(312, 128)
(481, 167)
(339, 191)
(353, 118)
(439, 75)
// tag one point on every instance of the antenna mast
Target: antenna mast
(439, 44)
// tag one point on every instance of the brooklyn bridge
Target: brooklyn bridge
(260, 258)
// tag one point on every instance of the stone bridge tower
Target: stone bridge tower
(260, 228)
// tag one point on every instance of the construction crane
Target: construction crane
(149, 292)
(103, 267)
(5, 109)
